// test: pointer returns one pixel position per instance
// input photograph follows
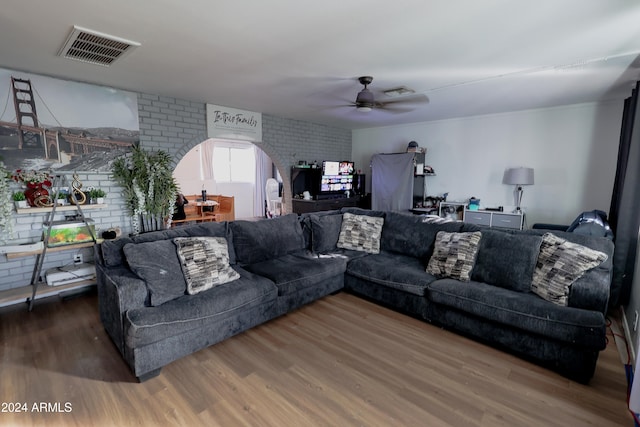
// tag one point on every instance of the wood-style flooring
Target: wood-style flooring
(339, 361)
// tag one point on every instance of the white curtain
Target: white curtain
(392, 182)
(263, 171)
(206, 159)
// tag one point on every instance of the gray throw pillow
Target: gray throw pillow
(204, 262)
(325, 231)
(360, 233)
(454, 255)
(560, 264)
(506, 259)
(257, 241)
(157, 264)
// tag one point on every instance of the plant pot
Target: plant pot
(100, 200)
(21, 204)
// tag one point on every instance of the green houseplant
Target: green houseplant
(148, 187)
(97, 195)
(19, 199)
(62, 198)
(18, 196)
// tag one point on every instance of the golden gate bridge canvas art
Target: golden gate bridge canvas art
(53, 124)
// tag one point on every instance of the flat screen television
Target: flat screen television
(337, 177)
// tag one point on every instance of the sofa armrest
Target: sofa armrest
(591, 291)
(119, 290)
(554, 227)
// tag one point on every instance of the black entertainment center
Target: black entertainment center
(332, 185)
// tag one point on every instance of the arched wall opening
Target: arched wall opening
(195, 171)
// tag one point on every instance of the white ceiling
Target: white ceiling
(301, 59)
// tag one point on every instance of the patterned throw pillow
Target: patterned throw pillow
(560, 264)
(454, 255)
(360, 233)
(204, 262)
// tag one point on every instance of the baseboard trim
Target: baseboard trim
(627, 336)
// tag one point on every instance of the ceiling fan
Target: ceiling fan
(365, 101)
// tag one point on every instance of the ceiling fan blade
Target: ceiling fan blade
(394, 109)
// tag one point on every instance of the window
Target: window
(234, 163)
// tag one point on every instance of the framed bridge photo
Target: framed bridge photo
(58, 125)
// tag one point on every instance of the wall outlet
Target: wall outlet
(635, 321)
(77, 259)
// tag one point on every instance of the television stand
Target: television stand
(305, 206)
(330, 196)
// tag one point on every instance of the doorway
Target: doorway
(230, 168)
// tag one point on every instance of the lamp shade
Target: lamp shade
(518, 176)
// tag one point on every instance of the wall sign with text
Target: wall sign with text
(231, 123)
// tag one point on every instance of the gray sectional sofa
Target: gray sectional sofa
(283, 263)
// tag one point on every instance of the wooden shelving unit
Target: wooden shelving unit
(14, 255)
(23, 293)
(36, 277)
(22, 211)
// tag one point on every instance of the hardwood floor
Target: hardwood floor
(337, 362)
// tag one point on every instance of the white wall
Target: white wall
(573, 150)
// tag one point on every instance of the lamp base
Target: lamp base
(518, 195)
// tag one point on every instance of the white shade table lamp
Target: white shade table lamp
(518, 177)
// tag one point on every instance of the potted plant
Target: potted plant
(62, 198)
(20, 200)
(148, 186)
(97, 195)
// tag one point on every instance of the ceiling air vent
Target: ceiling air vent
(95, 47)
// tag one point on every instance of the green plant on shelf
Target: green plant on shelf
(97, 193)
(18, 196)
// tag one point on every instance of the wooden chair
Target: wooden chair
(226, 208)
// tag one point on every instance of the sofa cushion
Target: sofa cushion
(113, 255)
(256, 241)
(402, 272)
(325, 231)
(454, 255)
(506, 259)
(305, 221)
(156, 262)
(204, 262)
(150, 324)
(360, 211)
(294, 272)
(521, 310)
(360, 233)
(560, 264)
(410, 235)
(213, 229)
(112, 251)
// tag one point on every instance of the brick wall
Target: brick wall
(176, 126)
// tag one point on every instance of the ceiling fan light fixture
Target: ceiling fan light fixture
(363, 108)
